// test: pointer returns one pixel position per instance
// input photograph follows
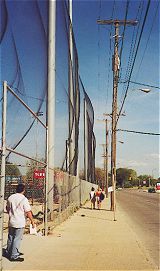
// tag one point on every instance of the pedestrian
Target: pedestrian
(92, 198)
(18, 209)
(98, 194)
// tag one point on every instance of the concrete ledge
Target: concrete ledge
(64, 215)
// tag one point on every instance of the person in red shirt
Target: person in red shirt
(98, 193)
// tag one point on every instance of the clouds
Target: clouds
(142, 165)
(155, 156)
(132, 163)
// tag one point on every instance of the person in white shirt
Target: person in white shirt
(92, 198)
(18, 209)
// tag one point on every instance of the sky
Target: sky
(95, 45)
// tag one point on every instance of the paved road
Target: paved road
(142, 209)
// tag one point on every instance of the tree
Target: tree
(32, 165)
(125, 175)
(148, 179)
(11, 169)
(99, 175)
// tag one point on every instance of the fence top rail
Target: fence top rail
(25, 105)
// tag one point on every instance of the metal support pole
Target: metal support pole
(106, 184)
(51, 100)
(85, 143)
(66, 155)
(4, 114)
(46, 189)
(71, 100)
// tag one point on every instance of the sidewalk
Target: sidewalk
(89, 240)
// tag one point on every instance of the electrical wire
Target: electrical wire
(136, 132)
(99, 16)
(124, 29)
(142, 84)
(142, 29)
(154, 18)
(133, 46)
(109, 61)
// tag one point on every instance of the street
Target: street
(142, 209)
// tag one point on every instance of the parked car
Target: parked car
(151, 190)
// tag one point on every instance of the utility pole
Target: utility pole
(115, 68)
(105, 155)
(104, 166)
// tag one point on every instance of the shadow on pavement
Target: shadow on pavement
(94, 217)
(89, 208)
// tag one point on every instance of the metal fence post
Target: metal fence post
(3, 162)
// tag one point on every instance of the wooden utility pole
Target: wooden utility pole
(104, 166)
(105, 155)
(115, 68)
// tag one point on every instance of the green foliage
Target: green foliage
(32, 165)
(11, 170)
(127, 184)
(99, 175)
(148, 179)
(126, 176)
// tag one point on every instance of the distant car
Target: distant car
(151, 190)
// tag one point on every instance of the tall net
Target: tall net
(89, 137)
(24, 46)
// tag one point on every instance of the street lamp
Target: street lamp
(146, 90)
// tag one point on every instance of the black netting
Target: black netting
(24, 46)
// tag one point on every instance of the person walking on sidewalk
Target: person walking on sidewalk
(92, 198)
(18, 209)
(100, 197)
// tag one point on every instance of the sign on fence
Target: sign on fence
(110, 189)
(13, 179)
(39, 174)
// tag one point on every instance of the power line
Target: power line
(109, 59)
(136, 132)
(124, 29)
(144, 21)
(142, 84)
(133, 45)
(154, 17)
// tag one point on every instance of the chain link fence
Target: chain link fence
(70, 193)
